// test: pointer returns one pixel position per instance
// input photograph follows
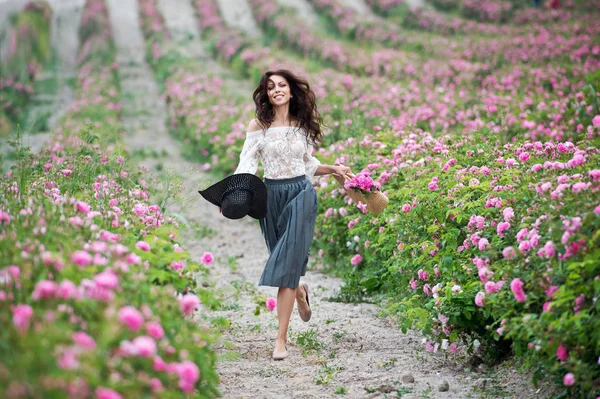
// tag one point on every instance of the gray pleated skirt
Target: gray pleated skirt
(288, 230)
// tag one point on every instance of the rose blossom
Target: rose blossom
(207, 258)
(143, 245)
(562, 353)
(480, 299)
(188, 303)
(131, 317)
(569, 379)
(271, 303)
(516, 286)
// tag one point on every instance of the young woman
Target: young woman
(282, 137)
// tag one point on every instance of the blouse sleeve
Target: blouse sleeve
(250, 154)
(311, 163)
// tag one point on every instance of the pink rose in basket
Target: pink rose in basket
(362, 182)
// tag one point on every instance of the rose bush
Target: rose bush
(95, 292)
(472, 247)
(28, 53)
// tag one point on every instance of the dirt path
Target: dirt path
(363, 8)
(238, 14)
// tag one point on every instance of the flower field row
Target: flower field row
(28, 52)
(95, 292)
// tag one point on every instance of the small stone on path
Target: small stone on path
(444, 386)
(386, 388)
(408, 379)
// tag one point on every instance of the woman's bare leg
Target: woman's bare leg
(285, 306)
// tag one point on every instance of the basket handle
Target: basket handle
(347, 176)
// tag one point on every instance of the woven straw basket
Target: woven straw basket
(376, 201)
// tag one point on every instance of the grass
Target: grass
(325, 374)
(229, 356)
(341, 391)
(309, 342)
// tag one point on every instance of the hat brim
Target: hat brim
(243, 181)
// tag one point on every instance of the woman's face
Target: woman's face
(278, 90)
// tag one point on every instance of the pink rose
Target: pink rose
(145, 346)
(131, 317)
(356, 259)
(480, 299)
(596, 121)
(81, 258)
(188, 371)
(44, 289)
(502, 227)
(84, 340)
(491, 287)
(107, 279)
(67, 290)
(82, 207)
(207, 258)
(105, 393)
(516, 286)
(569, 379)
(483, 244)
(155, 330)
(68, 360)
(562, 353)
(143, 245)
(271, 303)
(406, 208)
(188, 303)
(21, 316)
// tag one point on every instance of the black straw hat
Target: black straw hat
(239, 195)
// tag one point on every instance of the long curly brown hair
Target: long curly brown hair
(303, 105)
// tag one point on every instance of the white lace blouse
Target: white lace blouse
(283, 152)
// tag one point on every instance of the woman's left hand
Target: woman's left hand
(341, 170)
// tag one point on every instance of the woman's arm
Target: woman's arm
(340, 170)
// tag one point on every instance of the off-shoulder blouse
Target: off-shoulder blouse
(283, 151)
